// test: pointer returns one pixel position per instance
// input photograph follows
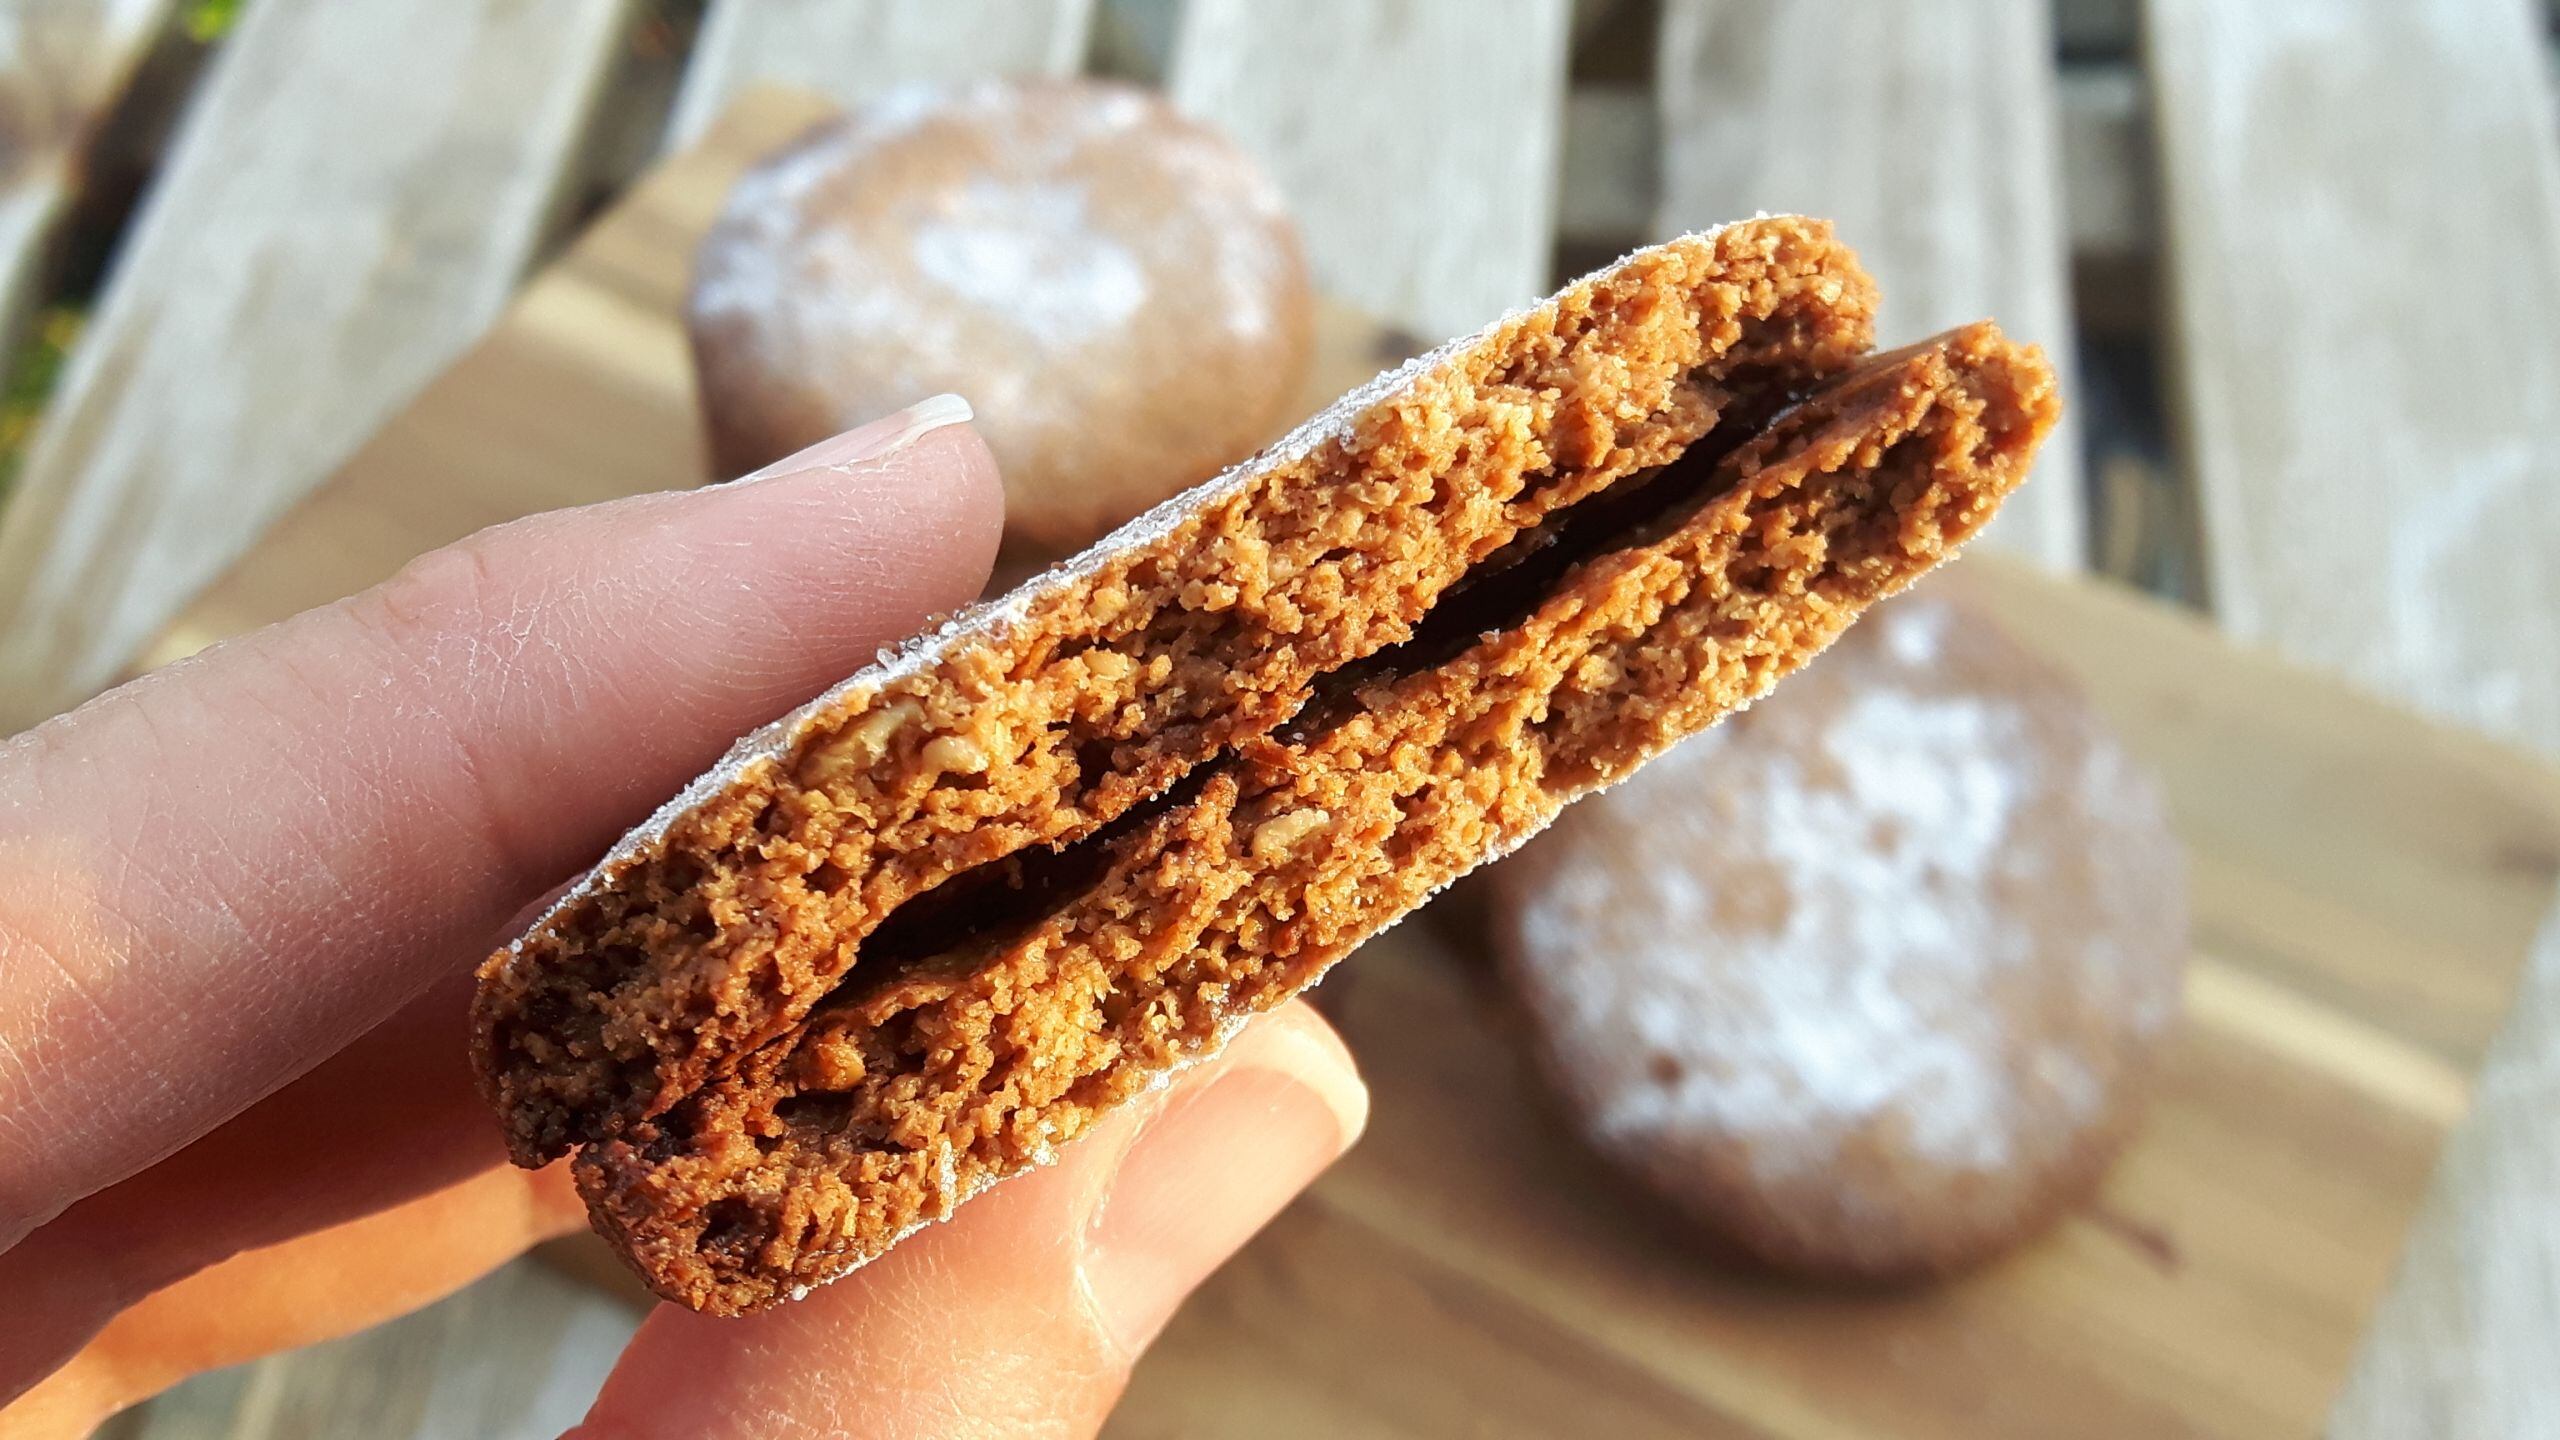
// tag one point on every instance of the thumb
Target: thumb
(1023, 1315)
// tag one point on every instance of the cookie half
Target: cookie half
(1037, 721)
(999, 1015)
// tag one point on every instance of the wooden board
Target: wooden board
(328, 232)
(1930, 133)
(2365, 884)
(2362, 201)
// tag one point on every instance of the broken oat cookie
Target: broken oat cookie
(913, 936)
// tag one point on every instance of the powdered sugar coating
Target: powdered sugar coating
(1877, 965)
(1028, 250)
(1795, 1053)
(1115, 288)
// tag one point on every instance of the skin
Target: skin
(241, 899)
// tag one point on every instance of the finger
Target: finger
(388, 1119)
(220, 873)
(312, 1288)
(1023, 1315)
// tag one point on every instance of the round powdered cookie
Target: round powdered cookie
(1866, 981)
(1117, 291)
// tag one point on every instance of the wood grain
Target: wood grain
(62, 64)
(2365, 884)
(1417, 141)
(850, 50)
(328, 232)
(1929, 134)
(2363, 204)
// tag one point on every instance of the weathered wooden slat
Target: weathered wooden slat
(2363, 201)
(62, 64)
(1929, 133)
(1417, 141)
(850, 49)
(352, 198)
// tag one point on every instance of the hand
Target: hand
(241, 900)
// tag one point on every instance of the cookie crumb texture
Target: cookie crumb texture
(919, 934)
(1037, 720)
(1866, 982)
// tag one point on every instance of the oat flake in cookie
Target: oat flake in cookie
(1868, 980)
(913, 937)
(1115, 287)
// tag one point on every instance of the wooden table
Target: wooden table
(2347, 213)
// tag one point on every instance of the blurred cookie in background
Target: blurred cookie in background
(1867, 981)
(1116, 289)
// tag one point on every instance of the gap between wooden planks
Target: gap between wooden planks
(2403, 867)
(62, 64)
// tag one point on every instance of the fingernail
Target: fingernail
(1212, 1169)
(882, 437)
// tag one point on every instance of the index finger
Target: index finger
(213, 877)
